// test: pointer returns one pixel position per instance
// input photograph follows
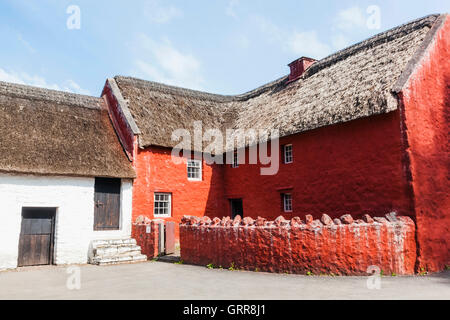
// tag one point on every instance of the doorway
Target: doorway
(107, 204)
(237, 208)
(37, 235)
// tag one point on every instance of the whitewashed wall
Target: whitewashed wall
(74, 200)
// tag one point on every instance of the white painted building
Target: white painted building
(65, 180)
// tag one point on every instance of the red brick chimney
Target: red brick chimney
(299, 66)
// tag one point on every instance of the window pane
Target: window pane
(162, 204)
(288, 158)
(287, 201)
(194, 169)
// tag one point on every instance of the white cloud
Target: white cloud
(72, 86)
(350, 19)
(164, 63)
(230, 10)
(304, 43)
(340, 41)
(308, 44)
(272, 32)
(242, 41)
(38, 81)
(25, 43)
(160, 14)
(10, 77)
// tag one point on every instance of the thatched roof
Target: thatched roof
(353, 83)
(56, 133)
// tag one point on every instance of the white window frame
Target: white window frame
(198, 166)
(287, 202)
(235, 163)
(288, 153)
(169, 206)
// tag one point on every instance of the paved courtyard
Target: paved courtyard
(159, 280)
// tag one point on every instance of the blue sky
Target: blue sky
(221, 46)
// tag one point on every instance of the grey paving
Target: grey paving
(159, 280)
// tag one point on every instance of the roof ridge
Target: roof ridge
(165, 88)
(375, 40)
(50, 95)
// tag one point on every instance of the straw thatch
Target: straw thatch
(56, 133)
(353, 83)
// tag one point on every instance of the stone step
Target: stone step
(119, 259)
(125, 254)
(113, 242)
(115, 249)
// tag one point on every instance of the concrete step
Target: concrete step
(113, 242)
(125, 254)
(120, 259)
(116, 251)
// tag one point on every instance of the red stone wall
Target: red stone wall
(352, 167)
(335, 171)
(147, 241)
(426, 107)
(346, 248)
(157, 173)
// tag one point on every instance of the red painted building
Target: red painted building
(364, 130)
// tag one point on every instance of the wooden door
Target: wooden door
(170, 237)
(107, 204)
(36, 237)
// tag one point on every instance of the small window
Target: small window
(235, 163)
(287, 202)
(288, 157)
(194, 170)
(163, 205)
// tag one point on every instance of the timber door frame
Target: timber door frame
(51, 254)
